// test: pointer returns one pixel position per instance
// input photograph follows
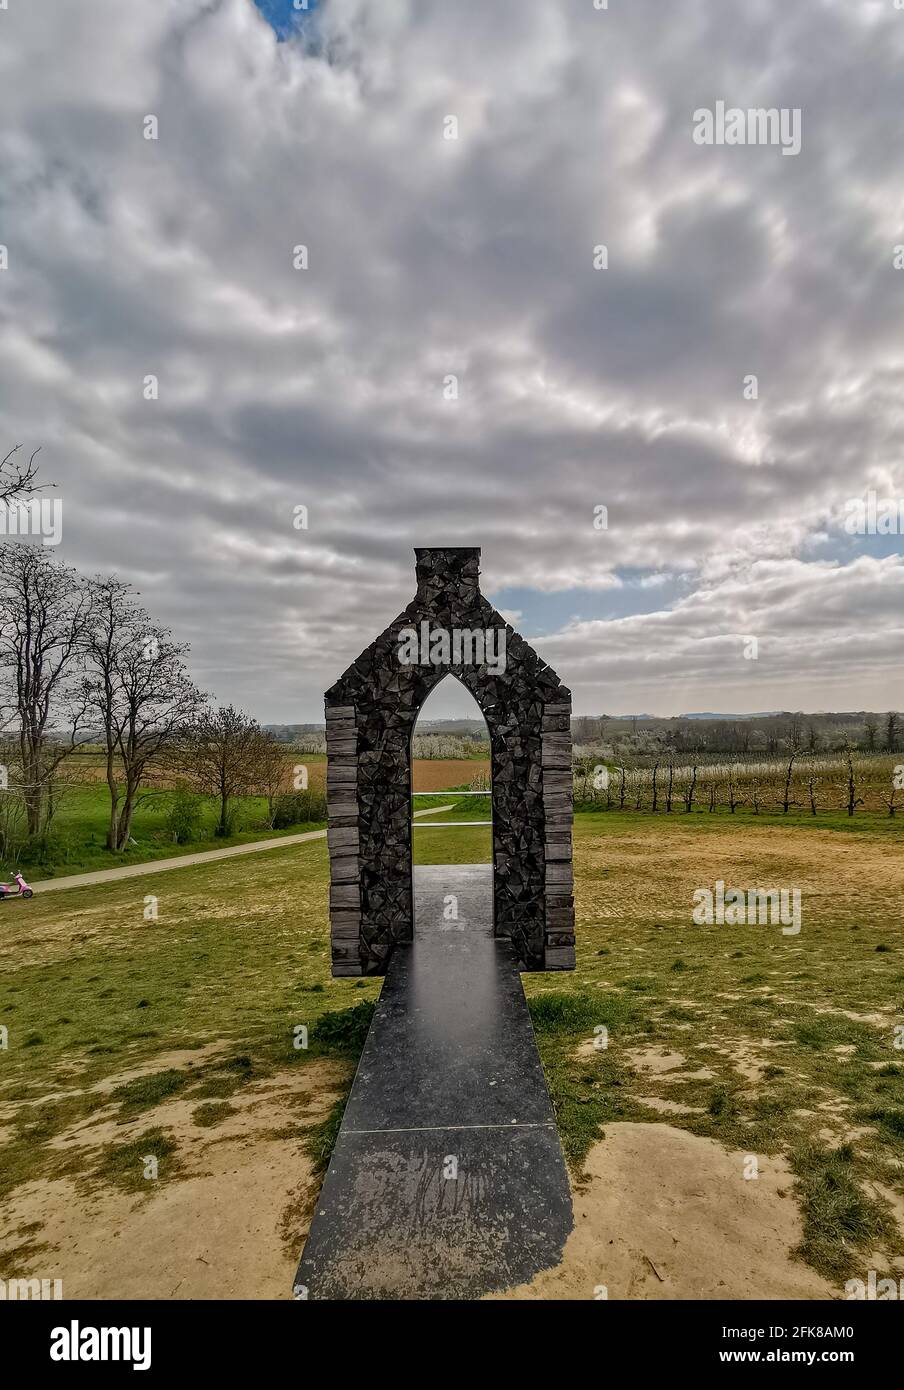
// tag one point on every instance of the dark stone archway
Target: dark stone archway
(370, 715)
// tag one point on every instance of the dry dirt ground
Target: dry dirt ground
(232, 1225)
(659, 1214)
(667, 1215)
(438, 774)
(659, 872)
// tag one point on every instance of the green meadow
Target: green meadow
(787, 1044)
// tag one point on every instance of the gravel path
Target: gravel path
(184, 861)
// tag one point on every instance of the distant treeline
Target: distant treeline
(644, 737)
(436, 738)
(430, 746)
(768, 735)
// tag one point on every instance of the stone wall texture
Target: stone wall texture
(370, 716)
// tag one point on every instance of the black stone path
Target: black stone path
(449, 1082)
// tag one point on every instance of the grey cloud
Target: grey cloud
(578, 387)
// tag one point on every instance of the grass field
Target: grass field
(173, 1039)
(460, 844)
(77, 843)
(78, 840)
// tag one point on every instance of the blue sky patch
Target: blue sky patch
(545, 613)
(284, 15)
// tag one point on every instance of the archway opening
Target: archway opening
(451, 803)
(370, 715)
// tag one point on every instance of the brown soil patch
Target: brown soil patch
(437, 774)
(231, 1226)
(862, 870)
(668, 1215)
(668, 1107)
(746, 1056)
(164, 1061)
(89, 770)
(896, 1204)
(184, 1058)
(654, 1062)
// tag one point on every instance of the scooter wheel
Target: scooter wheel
(28, 893)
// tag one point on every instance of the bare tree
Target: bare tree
(689, 790)
(655, 791)
(17, 476)
(668, 797)
(786, 795)
(734, 800)
(853, 800)
(222, 752)
(892, 732)
(140, 691)
(270, 776)
(870, 733)
(44, 614)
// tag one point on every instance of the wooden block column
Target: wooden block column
(342, 838)
(558, 796)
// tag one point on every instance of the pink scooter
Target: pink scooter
(21, 889)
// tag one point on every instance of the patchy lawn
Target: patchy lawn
(172, 1040)
(781, 1048)
(740, 1135)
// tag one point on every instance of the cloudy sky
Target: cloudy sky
(431, 257)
